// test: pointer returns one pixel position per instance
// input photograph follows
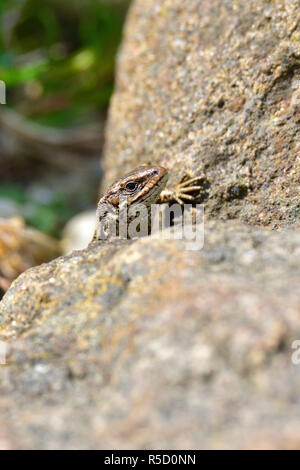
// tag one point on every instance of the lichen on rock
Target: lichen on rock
(144, 344)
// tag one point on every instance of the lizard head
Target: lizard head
(141, 186)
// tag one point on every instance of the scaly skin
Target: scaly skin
(141, 186)
(144, 185)
(181, 193)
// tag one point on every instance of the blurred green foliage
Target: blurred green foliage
(48, 215)
(57, 57)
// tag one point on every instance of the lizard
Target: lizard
(144, 185)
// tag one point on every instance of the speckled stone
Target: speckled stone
(144, 344)
(212, 88)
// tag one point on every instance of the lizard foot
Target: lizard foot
(184, 191)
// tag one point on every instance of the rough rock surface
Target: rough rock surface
(213, 89)
(144, 344)
(21, 248)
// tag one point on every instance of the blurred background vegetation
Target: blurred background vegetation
(57, 59)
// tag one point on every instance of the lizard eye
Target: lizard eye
(131, 186)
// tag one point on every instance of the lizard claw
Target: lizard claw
(183, 191)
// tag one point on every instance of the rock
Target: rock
(22, 247)
(213, 89)
(144, 344)
(79, 231)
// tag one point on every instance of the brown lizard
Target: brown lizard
(144, 185)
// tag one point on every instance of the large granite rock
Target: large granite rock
(212, 88)
(144, 344)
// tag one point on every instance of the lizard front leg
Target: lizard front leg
(183, 191)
